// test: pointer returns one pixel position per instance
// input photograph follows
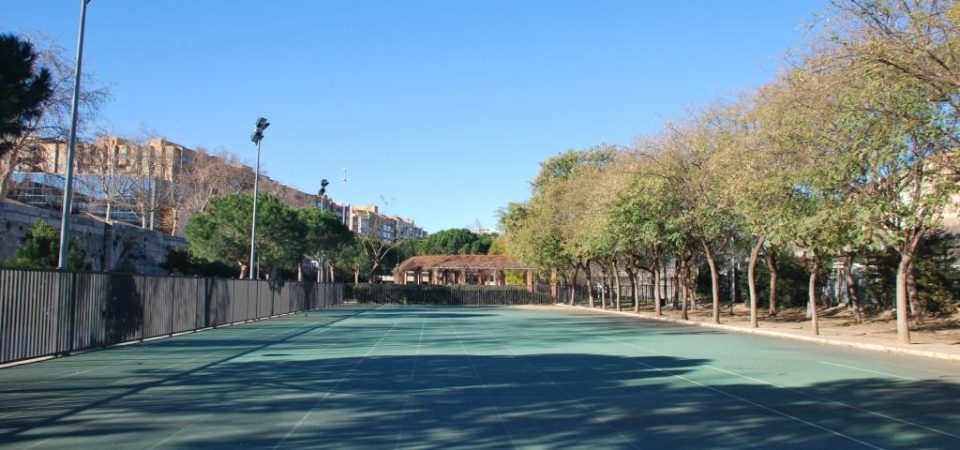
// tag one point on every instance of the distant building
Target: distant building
(366, 220)
(123, 171)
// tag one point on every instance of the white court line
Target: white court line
(815, 397)
(486, 390)
(80, 392)
(824, 399)
(572, 397)
(868, 370)
(335, 386)
(181, 430)
(204, 418)
(80, 426)
(556, 386)
(750, 402)
(406, 400)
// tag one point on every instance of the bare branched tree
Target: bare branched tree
(54, 120)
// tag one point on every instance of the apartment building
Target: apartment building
(138, 169)
(366, 220)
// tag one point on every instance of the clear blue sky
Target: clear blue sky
(443, 107)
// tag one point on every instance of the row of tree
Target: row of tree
(287, 239)
(852, 148)
(290, 238)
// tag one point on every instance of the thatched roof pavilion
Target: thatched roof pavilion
(458, 269)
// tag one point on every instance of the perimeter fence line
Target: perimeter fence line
(447, 295)
(45, 313)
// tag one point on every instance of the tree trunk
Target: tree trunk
(589, 276)
(676, 283)
(633, 288)
(917, 310)
(6, 172)
(616, 284)
(657, 300)
(812, 294)
(603, 286)
(243, 271)
(772, 267)
(573, 286)
(903, 325)
(356, 276)
(176, 221)
(751, 280)
(684, 291)
(714, 280)
(299, 271)
(852, 293)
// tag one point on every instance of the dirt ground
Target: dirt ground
(940, 334)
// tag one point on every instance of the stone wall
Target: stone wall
(109, 247)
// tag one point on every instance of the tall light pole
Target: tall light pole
(71, 149)
(257, 136)
(346, 202)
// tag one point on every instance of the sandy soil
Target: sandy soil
(939, 334)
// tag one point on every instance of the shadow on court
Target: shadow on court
(479, 401)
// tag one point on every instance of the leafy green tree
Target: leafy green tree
(645, 215)
(454, 241)
(324, 235)
(222, 233)
(40, 249)
(23, 89)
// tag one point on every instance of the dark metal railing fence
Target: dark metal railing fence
(449, 295)
(47, 312)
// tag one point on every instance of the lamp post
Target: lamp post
(321, 204)
(68, 181)
(346, 202)
(257, 136)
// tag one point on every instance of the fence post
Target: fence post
(173, 301)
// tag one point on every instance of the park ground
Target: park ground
(938, 334)
(433, 377)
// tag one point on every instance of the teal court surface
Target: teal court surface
(371, 377)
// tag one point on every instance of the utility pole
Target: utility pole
(346, 206)
(71, 150)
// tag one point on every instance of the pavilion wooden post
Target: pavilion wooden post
(530, 280)
(500, 278)
(435, 277)
(417, 277)
(463, 275)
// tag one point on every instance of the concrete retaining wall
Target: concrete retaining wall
(109, 247)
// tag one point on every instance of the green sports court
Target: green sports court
(370, 377)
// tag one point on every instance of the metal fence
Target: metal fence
(455, 295)
(486, 295)
(47, 312)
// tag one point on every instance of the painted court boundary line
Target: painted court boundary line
(777, 334)
(737, 397)
(798, 392)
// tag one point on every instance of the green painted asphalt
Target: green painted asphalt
(486, 378)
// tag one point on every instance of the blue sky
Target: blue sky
(443, 108)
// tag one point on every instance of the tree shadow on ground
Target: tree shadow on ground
(482, 401)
